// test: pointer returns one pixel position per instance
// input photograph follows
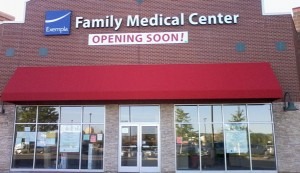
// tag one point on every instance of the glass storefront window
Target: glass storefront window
(69, 146)
(93, 114)
(186, 114)
(210, 114)
(46, 146)
(92, 147)
(26, 114)
(187, 147)
(24, 146)
(70, 114)
(139, 113)
(48, 114)
(237, 146)
(52, 144)
(234, 113)
(259, 113)
(231, 137)
(262, 147)
(212, 147)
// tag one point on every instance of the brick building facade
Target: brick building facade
(254, 38)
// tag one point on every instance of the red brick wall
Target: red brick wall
(207, 43)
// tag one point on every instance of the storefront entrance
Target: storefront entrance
(139, 139)
(139, 150)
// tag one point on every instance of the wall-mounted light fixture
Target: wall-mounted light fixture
(288, 104)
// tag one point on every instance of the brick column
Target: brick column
(286, 126)
(167, 138)
(6, 137)
(112, 138)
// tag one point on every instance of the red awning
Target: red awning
(143, 82)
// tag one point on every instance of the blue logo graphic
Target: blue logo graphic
(58, 22)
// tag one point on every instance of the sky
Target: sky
(17, 7)
(14, 7)
(280, 6)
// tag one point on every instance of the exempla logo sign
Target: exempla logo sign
(58, 22)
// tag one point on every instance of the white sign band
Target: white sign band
(138, 38)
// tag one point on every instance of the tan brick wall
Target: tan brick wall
(111, 138)
(6, 137)
(286, 126)
(168, 154)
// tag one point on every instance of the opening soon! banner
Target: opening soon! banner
(138, 38)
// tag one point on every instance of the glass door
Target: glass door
(139, 148)
(128, 159)
(149, 147)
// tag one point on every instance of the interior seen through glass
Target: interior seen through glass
(224, 137)
(62, 137)
(208, 137)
